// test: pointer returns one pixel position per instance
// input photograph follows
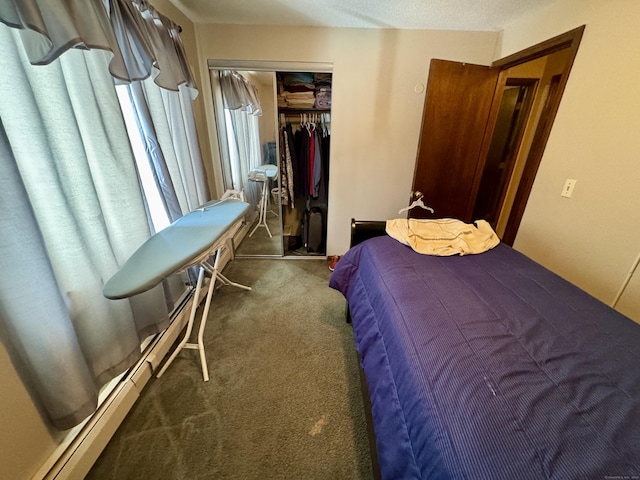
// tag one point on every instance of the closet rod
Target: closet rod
(298, 119)
(297, 115)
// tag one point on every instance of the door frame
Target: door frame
(571, 41)
(510, 155)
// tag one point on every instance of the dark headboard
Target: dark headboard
(362, 230)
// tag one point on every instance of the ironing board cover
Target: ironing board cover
(174, 248)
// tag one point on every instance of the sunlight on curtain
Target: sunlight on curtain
(237, 176)
(244, 151)
(155, 204)
(174, 121)
(72, 213)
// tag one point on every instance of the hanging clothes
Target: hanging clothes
(317, 165)
(325, 147)
(304, 140)
(284, 154)
(286, 167)
(312, 159)
(302, 152)
(304, 160)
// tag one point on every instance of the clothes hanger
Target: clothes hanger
(327, 119)
(307, 123)
(416, 203)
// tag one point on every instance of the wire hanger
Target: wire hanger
(416, 203)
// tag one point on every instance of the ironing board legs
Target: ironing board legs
(225, 281)
(262, 221)
(215, 275)
(183, 343)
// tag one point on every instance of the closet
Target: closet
(304, 122)
(284, 122)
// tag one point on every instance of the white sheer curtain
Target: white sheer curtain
(173, 118)
(244, 151)
(71, 213)
(142, 130)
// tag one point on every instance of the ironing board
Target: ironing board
(189, 241)
(263, 174)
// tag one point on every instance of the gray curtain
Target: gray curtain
(71, 213)
(140, 41)
(238, 93)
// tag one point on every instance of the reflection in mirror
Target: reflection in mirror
(278, 119)
(246, 112)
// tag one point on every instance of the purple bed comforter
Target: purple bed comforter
(491, 367)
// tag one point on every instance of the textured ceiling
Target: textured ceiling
(484, 15)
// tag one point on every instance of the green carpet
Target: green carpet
(284, 398)
(260, 243)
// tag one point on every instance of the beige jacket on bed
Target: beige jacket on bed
(443, 237)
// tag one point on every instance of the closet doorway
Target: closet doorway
(276, 117)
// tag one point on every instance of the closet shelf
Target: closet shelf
(303, 110)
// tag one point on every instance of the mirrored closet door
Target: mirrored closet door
(245, 108)
(274, 131)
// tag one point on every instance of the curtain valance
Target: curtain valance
(238, 93)
(143, 42)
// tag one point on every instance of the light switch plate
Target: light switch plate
(569, 185)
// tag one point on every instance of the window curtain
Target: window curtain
(172, 113)
(72, 213)
(241, 111)
(141, 42)
(147, 133)
(165, 122)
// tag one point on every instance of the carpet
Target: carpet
(284, 399)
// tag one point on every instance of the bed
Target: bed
(489, 366)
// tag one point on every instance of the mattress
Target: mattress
(491, 367)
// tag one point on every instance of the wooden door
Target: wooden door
(456, 131)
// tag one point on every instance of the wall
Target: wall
(592, 238)
(376, 113)
(26, 440)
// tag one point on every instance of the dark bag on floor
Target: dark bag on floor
(312, 233)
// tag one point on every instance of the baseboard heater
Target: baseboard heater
(78, 452)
